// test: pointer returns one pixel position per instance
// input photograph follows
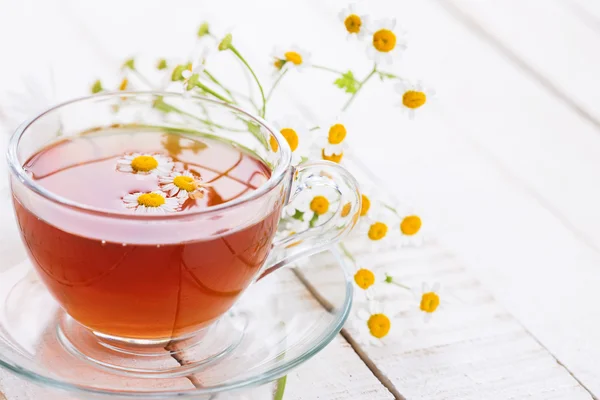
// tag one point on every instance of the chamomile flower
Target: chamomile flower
(414, 96)
(155, 202)
(367, 279)
(292, 57)
(138, 163)
(332, 139)
(316, 205)
(182, 185)
(370, 196)
(377, 229)
(385, 42)
(355, 23)
(411, 228)
(296, 134)
(430, 300)
(373, 323)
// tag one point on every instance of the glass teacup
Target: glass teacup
(146, 279)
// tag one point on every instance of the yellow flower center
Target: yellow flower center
(336, 158)
(291, 137)
(430, 302)
(144, 163)
(123, 84)
(366, 205)
(364, 278)
(293, 57)
(273, 143)
(384, 40)
(346, 210)
(413, 99)
(377, 231)
(410, 225)
(319, 205)
(186, 183)
(379, 325)
(337, 134)
(151, 200)
(278, 63)
(353, 23)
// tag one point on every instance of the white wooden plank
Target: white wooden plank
(557, 160)
(472, 349)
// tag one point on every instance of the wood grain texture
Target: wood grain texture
(472, 349)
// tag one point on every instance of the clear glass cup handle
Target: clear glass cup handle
(316, 239)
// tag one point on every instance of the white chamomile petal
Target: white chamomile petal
(413, 96)
(367, 279)
(355, 24)
(386, 41)
(182, 185)
(292, 57)
(317, 204)
(296, 134)
(332, 137)
(373, 323)
(430, 300)
(155, 202)
(410, 226)
(155, 164)
(378, 229)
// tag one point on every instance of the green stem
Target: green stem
(400, 285)
(168, 107)
(276, 83)
(360, 86)
(388, 75)
(218, 83)
(347, 253)
(262, 92)
(392, 209)
(280, 388)
(335, 71)
(314, 128)
(210, 91)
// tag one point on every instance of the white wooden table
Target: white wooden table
(506, 168)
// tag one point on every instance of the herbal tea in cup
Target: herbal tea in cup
(152, 232)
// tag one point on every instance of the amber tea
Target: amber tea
(145, 288)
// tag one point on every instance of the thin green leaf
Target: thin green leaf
(347, 82)
(280, 388)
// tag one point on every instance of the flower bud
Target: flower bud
(226, 42)
(203, 30)
(97, 87)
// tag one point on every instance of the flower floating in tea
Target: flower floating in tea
(183, 185)
(155, 164)
(155, 202)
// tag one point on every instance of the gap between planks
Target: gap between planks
(355, 346)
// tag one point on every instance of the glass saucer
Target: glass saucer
(274, 327)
